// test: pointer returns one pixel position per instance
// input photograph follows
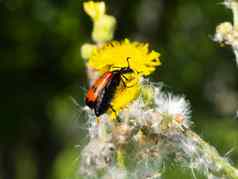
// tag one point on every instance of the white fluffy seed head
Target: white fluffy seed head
(176, 107)
(167, 112)
(96, 126)
(172, 105)
(166, 115)
(137, 114)
(97, 155)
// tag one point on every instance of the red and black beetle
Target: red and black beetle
(101, 93)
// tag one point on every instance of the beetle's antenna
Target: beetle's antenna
(127, 59)
(128, 64)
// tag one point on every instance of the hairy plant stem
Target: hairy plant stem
(222, 167)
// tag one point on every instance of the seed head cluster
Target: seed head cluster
(227, 32)
(145, 136)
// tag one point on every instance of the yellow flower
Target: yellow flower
(115, 54)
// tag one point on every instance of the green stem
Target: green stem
(221, 166)
(120, 158)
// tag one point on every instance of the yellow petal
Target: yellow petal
(116, 53)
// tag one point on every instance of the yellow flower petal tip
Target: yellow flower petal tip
(115, 53)
(94, 9)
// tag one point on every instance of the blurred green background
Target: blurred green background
(42, 70)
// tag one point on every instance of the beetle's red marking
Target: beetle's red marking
(97, 87)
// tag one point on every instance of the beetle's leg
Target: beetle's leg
(124, 83)
(124, 77)
(130, 86)
(113, 109)
(115, 112)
